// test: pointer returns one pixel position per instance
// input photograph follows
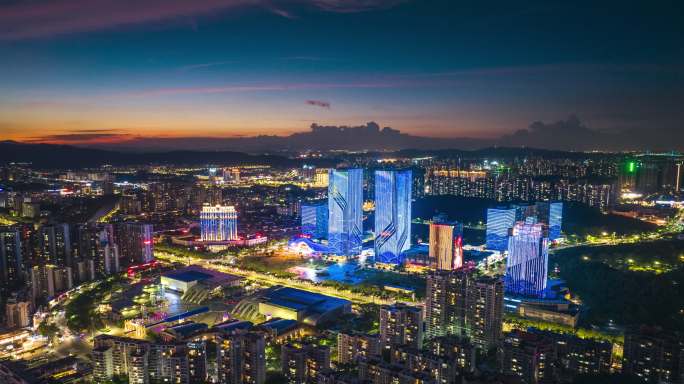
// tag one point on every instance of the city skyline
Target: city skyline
(341, 192)
(134, 74)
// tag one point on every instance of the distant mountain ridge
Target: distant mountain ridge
(53, 156)
(319, 137)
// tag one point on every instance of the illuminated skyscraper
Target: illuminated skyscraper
(446, 246)
(315, 219)
(392, 215)
(555, 220)
(345, 200)
(218, 223)
(499, 223)
(528, 257)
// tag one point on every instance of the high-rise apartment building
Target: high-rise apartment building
(446, 246)
(527, 263)
(301, 363)
(49, 280)
(528, 357)
(140, 360)
(218, 223)
(461, 304)
(54, 242)
(392, 215)
(345, 201)
(401, 324)
(135, 243)
(11, 263)
(17, 313)
(653, 355)
(352, 346)
(241, 358)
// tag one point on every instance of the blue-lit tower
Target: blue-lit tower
(528, 257)
(499, 223)
(555, 220)
(345, 204)
(218, 223)
(392, 215)
(315, 219)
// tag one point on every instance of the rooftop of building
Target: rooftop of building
(187, 276)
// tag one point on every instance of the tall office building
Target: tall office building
(401, 324)
(499, 223)
(461, 304)
(315, 219)
(345, 201)
(135, 243)
(392, 215)
(11, 265)
(555, 220)
(549, 214)
(446, 246)
(528, 257)
(218, 223)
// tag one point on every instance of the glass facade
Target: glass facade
(392, 215)
(315, 219)
(528, 257)
(345, 201)
(218, 223)
(499, 222)
(555, 220)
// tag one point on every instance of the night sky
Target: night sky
(93, 71)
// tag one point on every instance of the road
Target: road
(273, 280)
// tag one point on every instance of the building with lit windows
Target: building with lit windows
(499, 223)
(401, 324)
(392, 215)
(446, 246)
(345, 201)
(315, 219)
(653, 354)
(528, 257)
(10, 257)
(460, 304)
(218, 223)
(529, 357)
(301, 363)
(135, 243)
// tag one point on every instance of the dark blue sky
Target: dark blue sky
(106, 70)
